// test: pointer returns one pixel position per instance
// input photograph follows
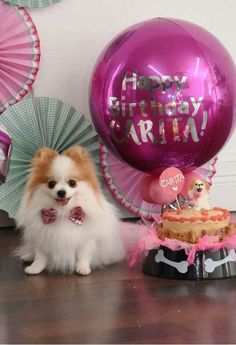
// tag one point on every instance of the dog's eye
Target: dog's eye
(72, 183)
(51, 184)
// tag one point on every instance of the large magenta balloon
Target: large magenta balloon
(162, 94)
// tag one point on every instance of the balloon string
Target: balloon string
(39, 122)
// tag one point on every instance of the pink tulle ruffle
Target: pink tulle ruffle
(147, 239)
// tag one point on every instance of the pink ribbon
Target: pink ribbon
(149, 239)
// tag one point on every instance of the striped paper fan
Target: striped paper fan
(19, 54)
(61, 126)
(31, 3)
(123, 182)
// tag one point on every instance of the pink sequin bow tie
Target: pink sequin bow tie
(49, 215)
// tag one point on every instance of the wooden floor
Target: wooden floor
(114, 305)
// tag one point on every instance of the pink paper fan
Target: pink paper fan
(19, 54)
(208, 170)
(123, 181)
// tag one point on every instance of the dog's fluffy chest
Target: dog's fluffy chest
(61, 232)
(60, 241)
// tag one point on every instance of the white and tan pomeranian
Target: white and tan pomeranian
(68, 225)
(199, 195)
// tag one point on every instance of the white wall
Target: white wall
(73, 32)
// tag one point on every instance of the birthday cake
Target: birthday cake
(190, 224)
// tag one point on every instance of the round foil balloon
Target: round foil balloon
(162, 94)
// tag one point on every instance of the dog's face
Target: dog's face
(63, 180)
(61, 177)
(198, 186)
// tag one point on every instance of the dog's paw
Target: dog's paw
(27, 257)
(83, 269)
(33, 269)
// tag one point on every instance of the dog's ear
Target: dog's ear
(45, 153)
(39, 168)
(191, 184)
(207, 185)
(86, 167)
(77, 153)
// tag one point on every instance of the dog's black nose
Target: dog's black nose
(61, 193)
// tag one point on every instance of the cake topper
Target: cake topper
(199, 195)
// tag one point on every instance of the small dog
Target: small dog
(199, 195)
(68, 225)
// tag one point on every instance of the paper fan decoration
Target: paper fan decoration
(57, 126)
(208, 170)
(19, 54)
(123, 181)
(31, 3)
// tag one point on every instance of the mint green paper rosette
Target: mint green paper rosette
(31, 3)
(44, 122)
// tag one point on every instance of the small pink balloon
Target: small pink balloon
(144, 188)
(158, 194)
(188, 181)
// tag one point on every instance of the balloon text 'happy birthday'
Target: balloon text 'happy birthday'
(146, 119)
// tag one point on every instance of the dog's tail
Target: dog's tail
(137, 239)
(130, 234)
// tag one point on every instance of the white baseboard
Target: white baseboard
(223, 191)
